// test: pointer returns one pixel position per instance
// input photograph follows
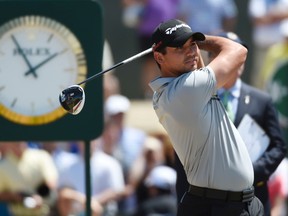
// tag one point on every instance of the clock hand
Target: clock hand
(44, 62)
(24, 56)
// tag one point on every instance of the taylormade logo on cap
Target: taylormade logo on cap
(173, 33)
(173, 29)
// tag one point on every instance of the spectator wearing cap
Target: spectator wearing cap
(161, 193)
(128, 143)
(242, 99)
(122, 142)
(152, 155)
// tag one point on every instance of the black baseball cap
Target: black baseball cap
(173, 33)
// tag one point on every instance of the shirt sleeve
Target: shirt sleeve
(190, 93)
(197, 85)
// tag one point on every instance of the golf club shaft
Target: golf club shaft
(145, 52)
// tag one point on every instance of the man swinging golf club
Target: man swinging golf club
(212, 152)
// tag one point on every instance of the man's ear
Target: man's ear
(158, 57)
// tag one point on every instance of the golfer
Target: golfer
(214, 156)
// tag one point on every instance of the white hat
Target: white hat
(163, 177)
(117, 104)
(152, 143)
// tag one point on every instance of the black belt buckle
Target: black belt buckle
(248, 194)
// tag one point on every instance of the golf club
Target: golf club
(72, 98)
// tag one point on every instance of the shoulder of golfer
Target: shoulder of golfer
(229, 56)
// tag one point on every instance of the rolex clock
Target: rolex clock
(39, 57)
(45, 47)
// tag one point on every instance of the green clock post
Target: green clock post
(46, 46)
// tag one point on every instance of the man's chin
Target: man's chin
(192, 67)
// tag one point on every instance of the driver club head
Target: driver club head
(72, 99)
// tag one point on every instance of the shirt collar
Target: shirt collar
(234, 90)
(160, 81)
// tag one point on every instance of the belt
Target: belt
(243, 196)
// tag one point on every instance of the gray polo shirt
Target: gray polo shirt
(208, 144)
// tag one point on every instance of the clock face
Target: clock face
(39, 57)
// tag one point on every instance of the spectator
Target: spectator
(266, 16)
(28, 179)
(147, 13)
(152, 156)
(128, 142)
(106, 179)
(161, 193)
(208, 16)
(122, 142)
(61, 154)
(278, 189)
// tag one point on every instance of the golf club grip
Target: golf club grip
(145, 52)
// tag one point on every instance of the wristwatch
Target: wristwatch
(39, 57)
